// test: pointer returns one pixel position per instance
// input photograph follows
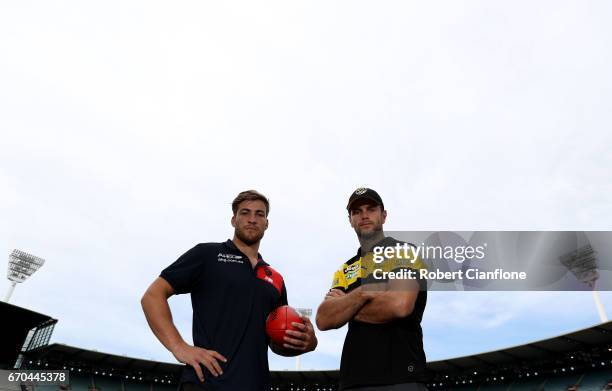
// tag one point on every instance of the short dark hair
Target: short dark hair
(250, 195)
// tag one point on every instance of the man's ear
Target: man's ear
(233, 221)
(384, 216)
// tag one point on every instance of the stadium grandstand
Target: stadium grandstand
(578, 361)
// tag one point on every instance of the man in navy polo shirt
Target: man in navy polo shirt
(232, 292)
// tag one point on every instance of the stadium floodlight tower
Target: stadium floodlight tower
(21, 266)
(304, 312)
(583, 264)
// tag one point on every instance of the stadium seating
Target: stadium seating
(104, 383)
(589, 381)
(595, 381)
(79, 382)
(491, 387)
(560, 383)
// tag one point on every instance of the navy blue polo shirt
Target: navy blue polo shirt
(231, 301)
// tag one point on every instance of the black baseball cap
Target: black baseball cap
(364, 193)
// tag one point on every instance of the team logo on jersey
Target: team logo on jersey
(271, 276)
(353, 271)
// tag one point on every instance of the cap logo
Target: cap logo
(360, 191)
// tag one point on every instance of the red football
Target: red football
(280, 320)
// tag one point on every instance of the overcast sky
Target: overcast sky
(128, 127)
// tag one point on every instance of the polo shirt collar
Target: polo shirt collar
(386, 241)
(232, 246)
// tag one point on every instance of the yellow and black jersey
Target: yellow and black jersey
(385, 353)
(361, 267)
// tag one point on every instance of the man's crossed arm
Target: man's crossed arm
(366, 305)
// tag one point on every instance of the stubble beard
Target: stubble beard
(369, 235)
(367, 240)
(248, 240)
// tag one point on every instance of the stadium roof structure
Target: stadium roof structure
(17, 324)
(58, 356)
(91, 359)
(549, 350)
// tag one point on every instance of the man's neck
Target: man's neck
(367, 243)
(250, 251)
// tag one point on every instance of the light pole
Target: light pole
(21, 266)
(583, 264)
(304, 312)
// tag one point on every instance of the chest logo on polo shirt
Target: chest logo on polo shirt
(271, 276)
(231, 258)
(352, 272)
